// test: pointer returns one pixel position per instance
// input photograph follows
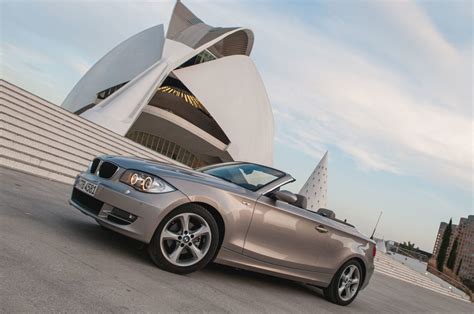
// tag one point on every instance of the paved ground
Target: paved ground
(53, 258)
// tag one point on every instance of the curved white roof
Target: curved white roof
(187, 28)
(121, 64)
(232, 91)
(230, 87)
(122, 108)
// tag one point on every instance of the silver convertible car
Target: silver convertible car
(232, 213)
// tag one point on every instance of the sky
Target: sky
(384, 86)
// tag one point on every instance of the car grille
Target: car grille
(107, 170)
(87, 202)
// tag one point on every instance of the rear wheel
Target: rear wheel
(345, 284)
(186, 240)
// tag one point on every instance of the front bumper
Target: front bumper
(146, 209)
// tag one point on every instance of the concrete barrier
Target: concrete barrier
(386, 265)
(41, 138)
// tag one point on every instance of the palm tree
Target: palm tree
(408, 246)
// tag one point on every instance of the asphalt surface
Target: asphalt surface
(54, 258)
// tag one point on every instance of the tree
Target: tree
(459, 267)
(443, 248)
(452, 255)
(408, 246)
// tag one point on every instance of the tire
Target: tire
(185, 241)
(342, 280)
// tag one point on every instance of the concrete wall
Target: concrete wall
(41, 138)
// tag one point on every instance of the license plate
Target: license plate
(86, 186)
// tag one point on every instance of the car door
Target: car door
(285, 235)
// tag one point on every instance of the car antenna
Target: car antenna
(372, 236)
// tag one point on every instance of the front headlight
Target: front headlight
(145, 182)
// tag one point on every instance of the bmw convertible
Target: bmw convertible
(234, 213)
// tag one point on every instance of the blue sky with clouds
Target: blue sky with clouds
(385, 86)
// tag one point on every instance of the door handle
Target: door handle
(321, 229)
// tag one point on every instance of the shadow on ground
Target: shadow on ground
(103, 238)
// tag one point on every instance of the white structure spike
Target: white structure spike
(316, 187)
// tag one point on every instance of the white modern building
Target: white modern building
(193, 95)
(316, 187)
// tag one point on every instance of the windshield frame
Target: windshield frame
(280, 180)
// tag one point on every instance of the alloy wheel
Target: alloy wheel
(185, 239)
(348, 282)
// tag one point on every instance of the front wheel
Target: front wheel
(186, 240)
(345, 284)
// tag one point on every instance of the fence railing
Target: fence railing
(412, 254)
(451, 281)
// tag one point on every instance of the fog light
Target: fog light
(124, 215)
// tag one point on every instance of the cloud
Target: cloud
(398, 99)
(377, 80)
(10, 50)
(20, 65)
(48, 46)
(78, 64)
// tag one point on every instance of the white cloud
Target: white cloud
(398, 101)
(25, 67)
(78, 64)
(377, 80)
(11, 50)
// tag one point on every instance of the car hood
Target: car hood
(170, 171)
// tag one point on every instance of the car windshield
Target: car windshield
(250, 176)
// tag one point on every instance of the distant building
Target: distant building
(464, 265)
(401, 248)
(381, 245)
(439, 237)
(391, 245)
(194, 95)
(464, 262)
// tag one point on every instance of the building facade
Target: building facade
(439, 237)
(193, 95)
(463, 234)
(464, 265)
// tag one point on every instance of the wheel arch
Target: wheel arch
(212, 210)
(362, 264)
(155, 250)
(217, 216)
(331, 292)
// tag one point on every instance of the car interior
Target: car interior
(301, 202)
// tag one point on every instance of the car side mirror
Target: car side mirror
(285, 196)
